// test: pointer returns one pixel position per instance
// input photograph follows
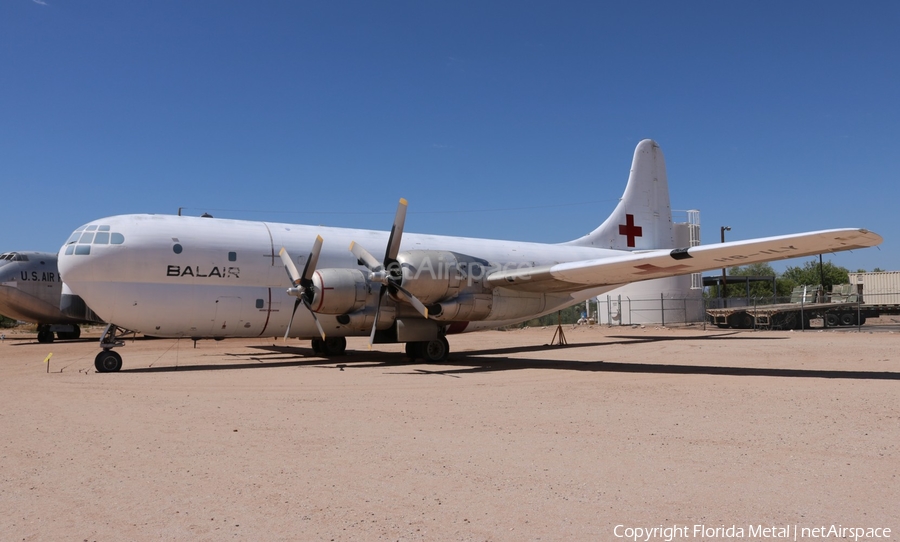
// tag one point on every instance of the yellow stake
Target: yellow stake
(47, 360)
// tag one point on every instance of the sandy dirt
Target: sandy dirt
(508, 440)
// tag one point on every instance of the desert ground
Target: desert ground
(510, 439)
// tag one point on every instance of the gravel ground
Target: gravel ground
(510, 439)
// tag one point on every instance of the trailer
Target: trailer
(844, 307)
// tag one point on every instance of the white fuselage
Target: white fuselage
(173, 276)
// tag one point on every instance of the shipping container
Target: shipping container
(878, 288)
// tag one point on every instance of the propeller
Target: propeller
(388, 273)
(302, 284)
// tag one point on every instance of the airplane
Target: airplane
(178, 276)
(30, 291)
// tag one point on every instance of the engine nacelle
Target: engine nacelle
(463, 308)
(339, 291)
(430, 275)
(363, 320)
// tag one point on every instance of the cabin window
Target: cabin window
(260, 303)
(102, 238)
(116, 238)
(232, 256)
(177, 248)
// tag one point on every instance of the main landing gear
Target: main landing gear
(109, 361)
(331, 346)
(431, 351)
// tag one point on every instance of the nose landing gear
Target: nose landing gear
(108, 361)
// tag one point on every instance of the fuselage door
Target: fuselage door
(228, 316)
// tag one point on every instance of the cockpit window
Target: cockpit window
(96, 234)
(14, 257)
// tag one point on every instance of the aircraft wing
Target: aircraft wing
(653, 264)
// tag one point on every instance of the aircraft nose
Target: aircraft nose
(73, 269)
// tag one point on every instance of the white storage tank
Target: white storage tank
(670, 300)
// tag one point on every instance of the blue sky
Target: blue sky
(513, 120)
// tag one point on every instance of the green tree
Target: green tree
(6, 322)
(757, 289)
(809, 274)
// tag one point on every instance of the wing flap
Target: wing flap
(653, 264)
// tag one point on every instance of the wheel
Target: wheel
(435, 350)
(334, 346)
(45, 335)
(70, 335)
(832, 320)
(414, 350)
(108, 361)
(318, 347)
(848, 319)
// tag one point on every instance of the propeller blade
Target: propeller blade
(306, 277)
(404, 294)
(393, 246)
(291, 268)
(316, 320)
(381, 292)
(363, 255)
(291, 321)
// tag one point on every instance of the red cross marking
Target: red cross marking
(629, 230)
(649, 268)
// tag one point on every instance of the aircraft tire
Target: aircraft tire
(45, 335)
(414, 350)
(108, 361)
(435, 350)
(334, 346)
(70, 335)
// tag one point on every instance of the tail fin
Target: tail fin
(643, 218)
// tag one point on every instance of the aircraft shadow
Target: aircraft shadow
(623, 339)
(471, 363)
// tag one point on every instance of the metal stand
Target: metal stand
(559, 332)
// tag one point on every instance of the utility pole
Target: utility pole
(722, 231)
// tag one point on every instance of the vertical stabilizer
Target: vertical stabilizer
(643, 218)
